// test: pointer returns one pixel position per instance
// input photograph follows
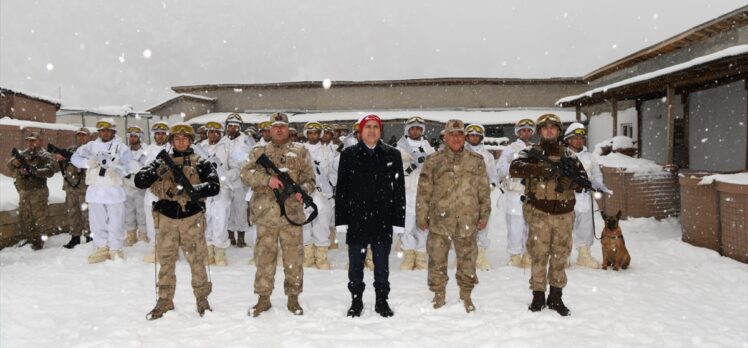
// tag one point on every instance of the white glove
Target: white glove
(398, 230)
(341, 229)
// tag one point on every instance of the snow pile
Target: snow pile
(9, 199)
(639, 166)
(622, 142)
(737, 178)
(673, 295)
(7, 121)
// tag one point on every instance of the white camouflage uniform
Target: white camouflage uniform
(414, 154)
(483, 240)
(325, 164)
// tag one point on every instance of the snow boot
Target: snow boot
(294, 306)
(467, 301)
(143, 236)
(555, 303)
(538, 301)
(89, 239)
(382, 307)
(162, 306)
(263, 305)
(333, 239)
(357, 305)
(422, 260)
(585, 259)
(369, 261)
(482, 263)
(74, 240)
(150, 257)
(320, 258)
(116, 255)
(526, 260)
(515, 260)
(409, 260)
(211, 259)
(100, 255)
(131, 238)
(240, 243)
(440, 299)
(231, 238)
(221, 257)
(203, 305)
(309, 255)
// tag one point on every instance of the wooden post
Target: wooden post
(579, 113)
(639, 128)
(670, 122)
(746, 122)
(614, 115)
(686, 134)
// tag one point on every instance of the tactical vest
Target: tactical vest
(32, 182)
(545, 189)
(166, 188)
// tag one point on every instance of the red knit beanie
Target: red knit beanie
(368, 118)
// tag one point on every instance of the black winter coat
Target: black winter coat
(370, 193)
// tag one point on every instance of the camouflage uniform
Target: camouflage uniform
(266, 216)
(453, 195)
(33, 194)
(74, 185)
(180, 222)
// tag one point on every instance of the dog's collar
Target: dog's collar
(612, 237)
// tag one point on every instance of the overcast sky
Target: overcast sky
(132, 52)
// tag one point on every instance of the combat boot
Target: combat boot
(526, 260)
(74, 240)
(116, 255)
(211, 259)
(150, 257)
(440, 299)
(231, 238)
(131, 238)
(320, 258)
(555, 303)
(409, 260)
(162, 306)
(143, 236)
(538, 301)
(357, 305)
(88, 238)
(221, 257)
(203, 305)
(585, 259)
(294, 306)
(100, 255)
(382, 307)
(369, 261)
(481, 262)
(308, 255)
(515, 260)
(263, 305)
(422, 260)
(240, 243)
(467, 301)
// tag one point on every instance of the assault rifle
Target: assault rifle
(24, 164)
(290, 187)
(179, 176)
(562, 168)
(63, 152)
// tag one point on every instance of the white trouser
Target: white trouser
(582, 232)
(516, 226)
(482, 237)
(135, 210)
(317, 232)
(217, 210)
(107, 224)
(413, 238)
(238, 210)
(150, 227)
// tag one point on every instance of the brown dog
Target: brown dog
(614, 247)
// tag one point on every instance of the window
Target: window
(627, 129)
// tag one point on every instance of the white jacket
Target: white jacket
(488, 159)
(324, 162)
(505, 160)
(414, 153)
(238, 155)
(595, 176)
(107, 164)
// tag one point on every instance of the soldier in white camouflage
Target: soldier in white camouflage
(74, 185)
(180, 218)
(271, 226)
(549, 213)
(454, 203)
(134, 207)
(33, 193)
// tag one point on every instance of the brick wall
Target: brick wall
(10, 232)
(27, 109)
(647, 196)
(699, 212)
(13, 136)
(733, 216)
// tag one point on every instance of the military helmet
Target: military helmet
(524, 123)
(548, 119)
(312, 126)
(182, 128)
(328, 128)
(575, 128)
(213, 126)
(233, 118)
(106, 123)
(415, 121)
(161, 127)
(265, 125)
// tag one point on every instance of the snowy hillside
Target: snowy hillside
(674, 295)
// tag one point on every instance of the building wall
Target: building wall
(379, 97)
(23, 108)
(717, 128)
(122, 124)
(713, 44)
(654, 128)
(13, 136)
(190, 108)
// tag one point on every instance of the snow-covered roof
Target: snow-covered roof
(737, 178)
(50, 100)
(727, 52)
(180, 96)
(106, 110)
(7, 121)
(493, 117)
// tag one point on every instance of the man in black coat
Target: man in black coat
(369, 204)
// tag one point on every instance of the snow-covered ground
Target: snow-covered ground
(9, 199)
(674, 295)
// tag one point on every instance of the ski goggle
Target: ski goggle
(134, 130)
(313, 126)
(182, 129)
(526, 122)
(415, 119)
(212, 125)
(549, 118)
(160, 127)
(327, 128)
(578, 131)
(474, 129)
(264, 125)
(104, 125)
